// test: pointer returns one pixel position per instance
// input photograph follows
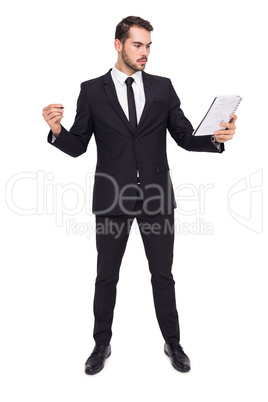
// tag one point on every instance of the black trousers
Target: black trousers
(112, 234)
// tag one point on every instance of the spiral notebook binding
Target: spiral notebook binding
(238, 104)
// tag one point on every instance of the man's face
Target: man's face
(136, 48)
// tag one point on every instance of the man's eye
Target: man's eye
(137, 45)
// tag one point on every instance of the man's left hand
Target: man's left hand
(229, 132)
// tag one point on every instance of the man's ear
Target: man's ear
(118, 45)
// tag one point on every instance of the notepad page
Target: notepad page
(219, 112)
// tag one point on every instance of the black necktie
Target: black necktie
(131, 103)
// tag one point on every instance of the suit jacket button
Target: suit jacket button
(134, 163)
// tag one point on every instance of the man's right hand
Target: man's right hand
(53, 115)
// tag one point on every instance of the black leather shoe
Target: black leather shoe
(96, 360)
(179, 360)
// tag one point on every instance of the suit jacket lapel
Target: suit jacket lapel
(112, 96)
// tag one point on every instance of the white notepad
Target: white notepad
(219, 112)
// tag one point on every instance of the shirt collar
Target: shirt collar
(121, 77)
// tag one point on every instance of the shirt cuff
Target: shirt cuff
(216, 143)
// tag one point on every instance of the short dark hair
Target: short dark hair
(122, 29)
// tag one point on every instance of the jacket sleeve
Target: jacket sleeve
(181, 129)
(75, 141)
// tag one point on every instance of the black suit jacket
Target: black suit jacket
(120, 150)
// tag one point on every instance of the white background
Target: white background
(207, 48)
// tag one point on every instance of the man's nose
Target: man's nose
(145, 51)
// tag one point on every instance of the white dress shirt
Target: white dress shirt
(119, 79)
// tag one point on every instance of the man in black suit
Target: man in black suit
(129, 112)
